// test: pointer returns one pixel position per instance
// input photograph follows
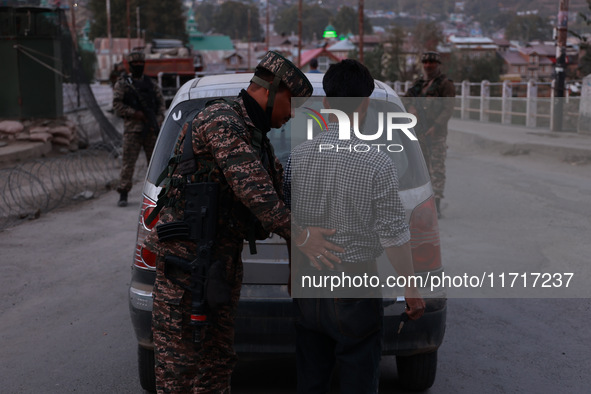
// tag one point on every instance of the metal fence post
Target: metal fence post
(532, 104)
(552, 103)
(484, 100)
(584, 122)
(465, 101)
(507, 102)
(397, 87)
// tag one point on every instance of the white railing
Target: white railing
(530, 104)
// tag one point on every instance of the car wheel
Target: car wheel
(145, 359)
(417, 372)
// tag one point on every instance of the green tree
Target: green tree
(528, 28)
(426, 36)
(395, 65)
(374, 61)
(158, 19)
(347, 21)
(461, 67)
(204, 14)
(314, 19)
(232, 19)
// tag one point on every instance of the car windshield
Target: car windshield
(411, 168)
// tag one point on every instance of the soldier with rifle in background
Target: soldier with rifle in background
(433, 106)
(138, 100)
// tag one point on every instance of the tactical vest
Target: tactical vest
(417, 88)
(203, 169)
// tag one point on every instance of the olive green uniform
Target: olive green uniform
(433, 110)
(136, 134)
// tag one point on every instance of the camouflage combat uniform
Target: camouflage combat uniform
(231, 150)
(432, 110)
(136, 134)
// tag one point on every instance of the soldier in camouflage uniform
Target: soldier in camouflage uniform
(433, 113)
(138, 100)
(230, 148)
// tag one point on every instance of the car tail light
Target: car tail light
(145, 258)
(424, 232)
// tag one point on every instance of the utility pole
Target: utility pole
(128, 29)
(299, 63)
(249, 39)
(268, 38)
(73, 6)
(361, 4)
(560, 69)
(137, 24)
(110, 39)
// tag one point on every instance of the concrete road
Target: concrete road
(65, 327)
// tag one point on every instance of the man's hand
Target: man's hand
(318, 249)
(431, 131)
(415, 303)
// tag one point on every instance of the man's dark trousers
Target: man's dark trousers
(343, 331)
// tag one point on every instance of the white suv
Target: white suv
(264, 321)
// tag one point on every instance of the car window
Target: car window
(411, 168)
(412, 171)
(178, 116)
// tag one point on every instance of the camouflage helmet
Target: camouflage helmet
(136, 56)
(431, 57)
(286, 72)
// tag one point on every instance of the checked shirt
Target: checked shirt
(355, 193)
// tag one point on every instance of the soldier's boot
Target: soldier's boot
(437, 204)
(122, 199)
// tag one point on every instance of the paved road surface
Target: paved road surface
(65, 326)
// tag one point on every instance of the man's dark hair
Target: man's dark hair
(347, 78)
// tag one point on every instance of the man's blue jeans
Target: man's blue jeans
(346, 331)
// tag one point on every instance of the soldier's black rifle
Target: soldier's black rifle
(139, 103)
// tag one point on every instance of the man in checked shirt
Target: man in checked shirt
(355, 193)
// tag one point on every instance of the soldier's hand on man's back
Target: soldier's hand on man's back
(319, 250)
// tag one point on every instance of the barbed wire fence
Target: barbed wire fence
(38, 186)
(42, 185)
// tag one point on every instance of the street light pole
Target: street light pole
(248, 47)
(110, 39)
(137, 25)
(300, 33)
(267, 22)
(560, 69)
(128, 28)
(361, 4)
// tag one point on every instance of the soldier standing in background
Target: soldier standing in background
(433, 112)
(138, 100)
(226, 148)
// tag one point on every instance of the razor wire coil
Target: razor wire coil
(42, 185)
